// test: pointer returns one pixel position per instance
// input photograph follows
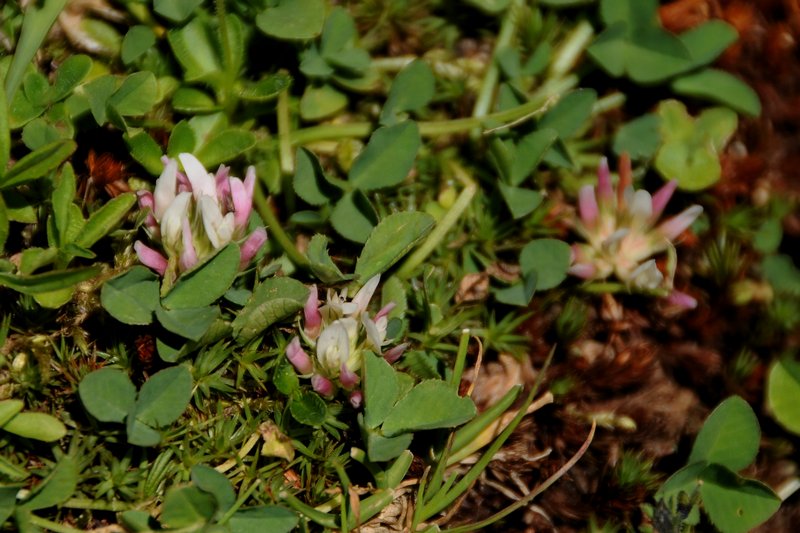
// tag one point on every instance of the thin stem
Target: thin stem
(539, 101)
(272, 224)
(567, 55)
(507, 31)
(443, 227)
(85, 503)
(284, 134)
(51, 526)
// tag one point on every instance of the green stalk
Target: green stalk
(86, 503)
(47, 525)
(239, 502)
(284, 134)
(488, 88)
(461, 359)
(566, 56)
(539, 101)
(272, 223)
(443, 227)
(229, 77)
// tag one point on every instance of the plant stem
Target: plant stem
(85, 503)
(284, 134)
(539, 102)
(51, 526)
(445, 224)
(487, 91)
(273, 224)
(567, 55)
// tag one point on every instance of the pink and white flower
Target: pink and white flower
(194, 214)
(623, 234)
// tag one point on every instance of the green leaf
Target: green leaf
(520, 201)
(391, 239)
(140, 434)
(39, 163)
(321, 263)
(518, 294)
(98, 91)
(190, 100)
(388, 157)
(224, 146)
(430, 405)
(8, 497)
(309, 180)
(735, 504)
(321, 102)
(145, 151)
(639, 138)
(38, 426)
(176, 11)
(492, 7)
(687, 479)
(309, 408)
(729, 436)
(69, 75)
(4, 224)
(270, 518)
(264, 89)
(105, 220)
(293, 19)
(206, 283)
(131, 297)
(529, 152)
(5, 137)
(56, 488)
(34, 258)
(191, 323)
(780, 272)
(380, 448)
(48, 281)
(275, 299)
(708, 40)
(187, 508)
(411, 90)
(720, 87)
(136, 96)
(181, 140)
(783, 390)
(381, 389)
(137, 41)
(36, 24)
(549, 259)
(196, 50)
(9, 409)
(209, 480)
(353, 217)
(164, 397)
(570, 113)
(108, 394)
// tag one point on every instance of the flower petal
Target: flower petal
(662, 197)
(364, 294)
(356, 399)
(394, 353)
(587, 206)
(242, 203)
(313, 318)
(681, 300)
(298, 357)
(150, 258)
(172, 222)
(646, 276)
(203, 183)
(219, 229)
(222, 181)
(322, 385)
(641, 207)
(188, 257)
(605, 192)
(674, 226)
(165, 190)
(251, 246)
(347, 377)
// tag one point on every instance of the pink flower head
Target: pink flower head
(194, 214)
(322, 385)
(621, 232)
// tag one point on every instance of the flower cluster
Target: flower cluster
(194, 214)
(622, 235)
(338, 332)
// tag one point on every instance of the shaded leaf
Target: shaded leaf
(191, 323)
(273, 300)
(783, 390)
(735, 504)
(293, 19)
(39, 163)
(309, 180)
(321, 263)
(164, 397)
(729, 436)
(131, 297)
(353, 217)
(391, 239)
(48, 281)
(56, 488)
(105, 220)
(720, 87)
(209, 480)
(272, 518)
(207, 282)
(381, 389)
(388, 157)
(309, 408)
(431, 404)
(108, 394)
(187, 508)
(549, 259)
